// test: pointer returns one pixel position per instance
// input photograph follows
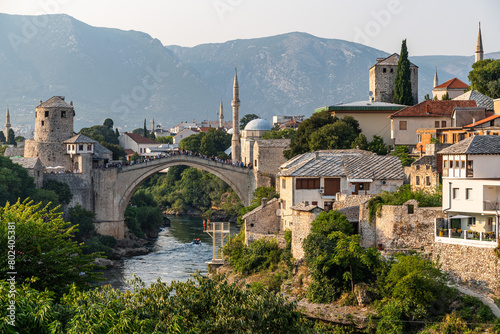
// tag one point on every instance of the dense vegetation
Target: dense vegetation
(485, 77)
(105, 135)
(402, 82)
(143, 215)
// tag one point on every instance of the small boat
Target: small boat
(196, 241)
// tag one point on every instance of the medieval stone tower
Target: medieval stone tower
(53, 125)
(235, 142)
(382, 76)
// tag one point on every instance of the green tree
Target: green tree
(15, 182)
(84, 220)
(192, 143)
(11, 138)
(246, 119)
(402, 82)
(338, 135)
(61, 189)
(2, 137)
(19, 139)
(215, 142)
(360, 142)
(118, 151)
(165, 139)
(135, 157)
(427, 97)
(279, 134)
(445, 97)
(402, 152)
(353, 123)
(377, 146)
(485, 77)
(44, 249)
(117, 133)
(101, 133)
(108, 123)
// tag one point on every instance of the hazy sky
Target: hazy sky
(432, 27)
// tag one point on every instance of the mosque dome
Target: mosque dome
(258, 124)
(230, 131)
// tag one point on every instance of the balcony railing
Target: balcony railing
(491, 205)
(466, 237)
(469, 173)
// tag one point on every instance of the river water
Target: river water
(173, 256)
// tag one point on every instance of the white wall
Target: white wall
(409, 136)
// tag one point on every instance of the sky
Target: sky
(431, 27)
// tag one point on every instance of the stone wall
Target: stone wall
(404, 226)
(350, 206)
(262, 221)
(301, 227)
(51, 154)
(475, 266)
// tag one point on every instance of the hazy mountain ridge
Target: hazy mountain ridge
(129, 76)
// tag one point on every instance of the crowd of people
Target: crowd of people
(143, 159)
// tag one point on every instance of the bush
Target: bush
(260, 255)
(94, 245)
(84, 219)
(61, 189)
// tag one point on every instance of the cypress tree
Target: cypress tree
(402, 83)
(11, 138)
(2, 137)
(145, 129)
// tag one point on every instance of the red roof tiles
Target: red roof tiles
(453, 84)
(482, 121)
(140, 139)
(433, 108)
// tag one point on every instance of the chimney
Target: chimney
(316, 155)
(473, 121)
(427, 109)
(306, 203)
(263, 201)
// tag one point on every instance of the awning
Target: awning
(459, 217)
(360, 180)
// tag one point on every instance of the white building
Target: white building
(471, 192)
(184, 134)
(136, 142)
(184, 125)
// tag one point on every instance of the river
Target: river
(173, 256)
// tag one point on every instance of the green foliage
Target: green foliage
(259, 255)
(445, 97)
(143, 215)
(118, 151)
(14, 182)
(165, 140)
(336, 260)
(402, 82)
(135, 157)
(377, 146)
(85, 221)
(11, 138)
(263, 192)
(427, 97)
(46, 198)
(485, 77)
(246, 119)
(360, 142)
(401, 196)
(282, 134)
(61, 189)
(338, 135)
(45, 248)
(19, 139)
(102, 133)
(2, 137)
(94, 245)
(402, 153)
(192, 143)
(435, 140)
(215, 142)
(108, 123)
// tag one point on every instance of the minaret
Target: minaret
(436, 81)
(7, 123)
(153, 127)
(221, 115)
(479, 45)
(235, 142)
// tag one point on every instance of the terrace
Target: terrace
(445, 233)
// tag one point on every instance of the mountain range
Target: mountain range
(130, 76)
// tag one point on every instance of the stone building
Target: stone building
(423, 174)
(263, 221)
(33, 166)
(86, 153)
(303, 215)
(382, 76)
(53, 125)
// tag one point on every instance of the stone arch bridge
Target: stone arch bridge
(113, 187)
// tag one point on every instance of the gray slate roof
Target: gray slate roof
(350, 163)
(475, 145)
(429, 160)
(80, 139)
(303, 207)
(273, 142)
(481, 99)
(257, 209)
(14, 152)
(392, 60)
(55, 102)
(99, 150)
(28, 163)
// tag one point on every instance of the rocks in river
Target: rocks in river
(104, 262)
(127, 252)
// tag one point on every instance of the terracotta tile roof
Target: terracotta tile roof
(482, 121)
(129, 151)
(453, 84)
(204, 128)
(433, 108)
(140, 139)
(475, 145)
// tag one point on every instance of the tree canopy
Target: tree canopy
(246, 119)
(402, 82)
(485, 77)
(2, 137)
(11, 138)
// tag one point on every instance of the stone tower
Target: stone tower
(221, 115)
(7, 123)
(53, 125)
(382, 76)
(479, 45)
(436, 81)
(235, 142)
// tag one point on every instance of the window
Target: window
(468, 193)
(411, 209)
(89, 147)
(445, 163)
(461, 136)
(283, 184)
(436, 124)
(392, 70)
(46, 114)
(63, 113)
(443, 124)
(444, 139)
(314, 203)
(419, 138)
(312, 183)
(417, 180)
(283, 205)
(427, 181)
(455, 193)
(255, 164)
(384, 70)
(80, 147)
(402, 125)
(463, 163)
(472, 221)
(451, 163)
(43, 123)
(469, 164)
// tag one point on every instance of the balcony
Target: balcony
(447, 235)
(491, 206)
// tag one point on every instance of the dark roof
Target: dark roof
(303, 207)
(140, 139)
(99, 150)
(14, 152)
(260, 207)
(433, 108)
(429, 160)
(363, 105)
(377, 167)
(28, 163)
(80, 139)
(481, 99)
(475, 145)
(300, 159)
(55, 102)
(273, 143)
(453, 84)
(392, 60)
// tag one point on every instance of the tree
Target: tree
(445, 97)
(338, 135)
(215, 142)
(485, 77)
(117, 133)
(165, 139)
(279, 134)
(102, 133)
(19, 139)
(118, 151)
(145, 130)
(402, 153)
(192, 143)
(11, 138)
(108, 123)
(2, 137)
(14, 182)
(246, 119)
(61, 189)
(427, 97)
(377, 146)
(83, 219)
(44, 248)
(360, 142)
(402, 82)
